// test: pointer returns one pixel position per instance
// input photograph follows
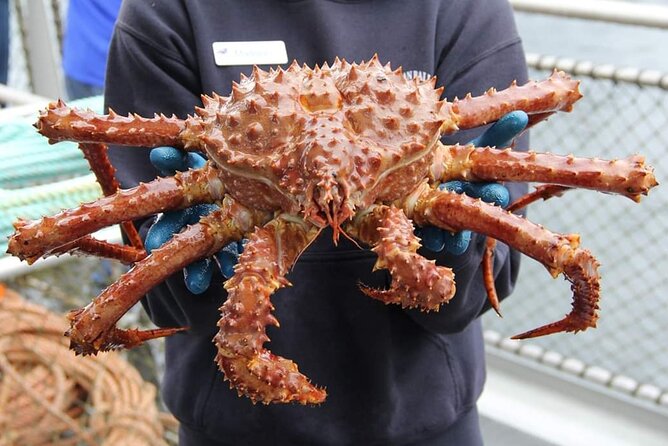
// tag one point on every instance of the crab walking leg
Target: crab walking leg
(89, 245)
(252, 369)
(105, 173)
(544, 192)
(96, 155)
(541, 98)
(559, 253)
(62, 123)
(35, 239)
(416, 281)
(629, 177)
(92, 328)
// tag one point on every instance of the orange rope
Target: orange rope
(50, 397)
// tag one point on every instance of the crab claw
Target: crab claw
(252, 369)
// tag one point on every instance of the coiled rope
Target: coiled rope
(50, 397)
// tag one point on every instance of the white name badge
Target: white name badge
(267, 52)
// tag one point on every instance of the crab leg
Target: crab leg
(629, 177)
(96, 155)
(252, 369)
(544, 192)
(35, 239)
(62, 123)
(416, 281)
(92, 328)
(539, 98)
(559, 253)
(98, 160)
(89, 245)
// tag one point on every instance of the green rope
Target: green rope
(35, 202)
(37, 178)
(27, 158)
(24, 177)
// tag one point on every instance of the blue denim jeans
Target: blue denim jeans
(77, 89)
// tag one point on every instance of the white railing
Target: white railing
(643, 78)
(35, 51)
(12, 96)
(555, 391)
(559, 408)
(655, 16)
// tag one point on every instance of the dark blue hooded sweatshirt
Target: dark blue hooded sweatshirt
(393, 376)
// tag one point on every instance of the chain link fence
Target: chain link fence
(623, 112)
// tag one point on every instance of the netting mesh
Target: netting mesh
(615, 119)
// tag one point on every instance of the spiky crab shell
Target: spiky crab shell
(322, 141)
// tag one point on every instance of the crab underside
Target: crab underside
(351, 146)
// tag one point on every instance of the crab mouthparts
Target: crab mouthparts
(331, 206)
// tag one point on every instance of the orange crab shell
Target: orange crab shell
(324, 141)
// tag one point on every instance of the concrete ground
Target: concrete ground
(497, 434)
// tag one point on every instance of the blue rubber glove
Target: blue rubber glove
(197, 275)
(500, 134)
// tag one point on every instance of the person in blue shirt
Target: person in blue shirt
(89, 26)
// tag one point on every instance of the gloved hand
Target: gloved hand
(197, 275)
(500, 134)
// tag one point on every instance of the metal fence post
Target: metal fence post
(44, 54)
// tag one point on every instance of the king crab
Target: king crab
(351, 146)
